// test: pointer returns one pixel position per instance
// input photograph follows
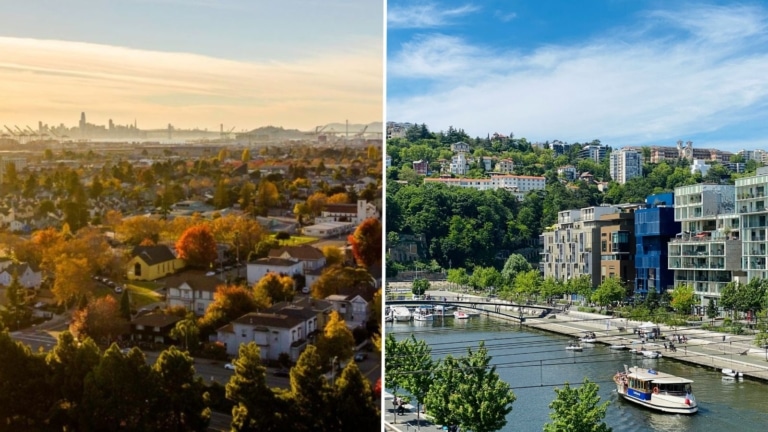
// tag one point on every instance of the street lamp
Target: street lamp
(334, 362)
(237, 246)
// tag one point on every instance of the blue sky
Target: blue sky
(193, 63)
(624, 72)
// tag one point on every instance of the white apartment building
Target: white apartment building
(626, 164)
(752, 207)
(518, 185)
(505, 166)
(707, 253)
(459, 164)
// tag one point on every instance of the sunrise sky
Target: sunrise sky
(192, 63)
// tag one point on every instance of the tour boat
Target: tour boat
(656, 390)
(401, 313)
(574, 346)
(732, 373)
(460, 315)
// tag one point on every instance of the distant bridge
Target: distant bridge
(510, 311)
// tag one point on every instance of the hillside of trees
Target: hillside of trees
(468, 228)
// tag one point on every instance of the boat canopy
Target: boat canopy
(672, 380)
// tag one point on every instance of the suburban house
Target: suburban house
(354, 213)
(154, 327)
(328, 229)
(310, 257)
(259, 268)
(353, 304)
(284, 328)
(29, 276)
(191, 289)
(152, 262)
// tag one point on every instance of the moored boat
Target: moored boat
(574, 346)
(651, 354)
(460, 315)
(618, 347)
(589, 338)
(401, 313)
(732, 373)
(423, 314)
(656, 390)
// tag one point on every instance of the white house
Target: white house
(274, 333)
(191, 289)
(353, 304)
(29, 277)
(328, 229)
(310, 257)
(259, 268)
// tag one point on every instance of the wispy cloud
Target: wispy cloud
(427, 15)
(623, 91)
(504, 16)
(57, 79)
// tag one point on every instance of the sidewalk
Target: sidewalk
(408, 421)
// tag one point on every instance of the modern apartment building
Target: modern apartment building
(569, 244)
(617, 245)
(752, 207)
(625, 164)
(707, 252)
(655, 226)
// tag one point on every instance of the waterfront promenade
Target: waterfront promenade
(706, 348)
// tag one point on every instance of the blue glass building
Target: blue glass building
(654, 227)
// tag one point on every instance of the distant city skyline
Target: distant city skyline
(193, 64)
(626, 73)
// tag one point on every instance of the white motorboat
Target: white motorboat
(651, 354)
(656, 390)
(589, 338)
(443, 308)
(423, 314)
(618, 347)
(732, 373)
(460, 315)
(574, 346)
(401, 313)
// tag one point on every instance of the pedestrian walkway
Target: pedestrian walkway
(703, 347)
(408, 421)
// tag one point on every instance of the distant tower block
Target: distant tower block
(170, 131)
(82, 124)
(111, 125)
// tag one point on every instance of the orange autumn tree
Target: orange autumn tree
(197, 246)
(229, 302)
(366, 242)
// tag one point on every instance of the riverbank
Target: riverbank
(706, 348)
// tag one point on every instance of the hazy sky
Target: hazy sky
(192, 63)
(625, 72)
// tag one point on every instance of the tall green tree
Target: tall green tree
(446, 377)
(183, 406)
(420, 286)
(515, 264)
(481, 400)
(256, 405)
(310, 393)
(25, 395)
(187, 332)
(121, 393)
(611, 290)
(69, 363)
(353, 404)
(683, 298)
(577, 410)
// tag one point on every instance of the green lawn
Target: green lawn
(142, 293)
(296, 240)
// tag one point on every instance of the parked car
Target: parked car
(360, 357)
(118, 289)
(229, 366)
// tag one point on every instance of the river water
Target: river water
(534, 363)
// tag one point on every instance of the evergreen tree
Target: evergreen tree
(310, 393)
(181, 392)
(353, 405)
(256, 407)
(125, 305)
